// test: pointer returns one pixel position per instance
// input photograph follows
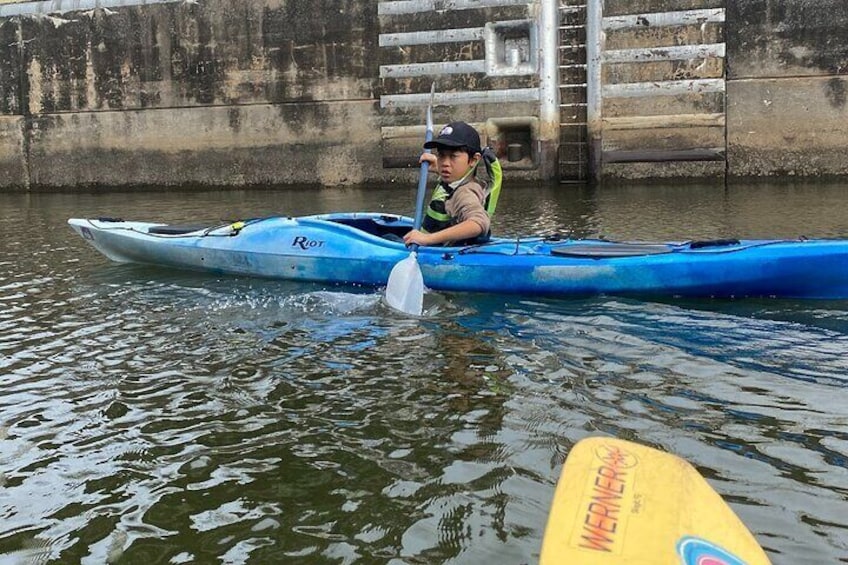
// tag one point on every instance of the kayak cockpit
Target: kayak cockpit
(382, 226)
(369, 225)
(179, 229)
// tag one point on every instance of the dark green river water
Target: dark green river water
(155, 416)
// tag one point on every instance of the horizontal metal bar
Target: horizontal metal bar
(663, 88)
(430, 37)
(398, 7)
(416, 132)
(672, 53)
(64, 6)
(621, 123)
(458, 98)
(663, 156)
(436, 68)
(664, 19)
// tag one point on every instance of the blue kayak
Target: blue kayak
(362, 248)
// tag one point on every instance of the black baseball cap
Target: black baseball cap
(456, 135)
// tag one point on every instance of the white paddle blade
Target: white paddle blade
(405, 289)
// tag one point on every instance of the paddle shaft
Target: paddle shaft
(422, 191)
(405, 287)
(419, 199)
(422, 179)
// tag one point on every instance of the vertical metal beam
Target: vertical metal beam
(595, 40)
(549, 84)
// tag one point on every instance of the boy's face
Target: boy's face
(453, 163)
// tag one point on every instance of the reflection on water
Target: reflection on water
(155, 416)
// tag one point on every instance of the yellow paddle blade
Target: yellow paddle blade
(622, 503)
(405, 289)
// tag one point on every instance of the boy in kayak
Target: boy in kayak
(461, 207)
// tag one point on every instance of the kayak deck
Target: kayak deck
(362, 248)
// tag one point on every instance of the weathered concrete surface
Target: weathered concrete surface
(666, 139)
(217, 92)
(671, 172)
(786, 84)
(13, 173)
(11, 72)
(306, 143)
(676, 133)
(406, 69)
(788, 127)
(788, 88)
(445, 52)
(215, 52)
(786, 38)
(209, 93)
(621, 7)
(220, 92)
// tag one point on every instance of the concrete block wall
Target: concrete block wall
(787, 88)
(457, 49)
(174, 93)
(224, 93)
(653, 128)
(783, 108)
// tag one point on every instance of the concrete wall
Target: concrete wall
(663, 111)
(787, 89)
(467, 47)
(107, 93)
(777, 106)
(217, 92)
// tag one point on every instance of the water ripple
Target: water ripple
(156, 416)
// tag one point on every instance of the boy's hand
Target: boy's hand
(421, 238)
(429, 157)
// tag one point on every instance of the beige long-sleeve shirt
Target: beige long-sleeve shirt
(467, 204)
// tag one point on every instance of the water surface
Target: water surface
(156, 416)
